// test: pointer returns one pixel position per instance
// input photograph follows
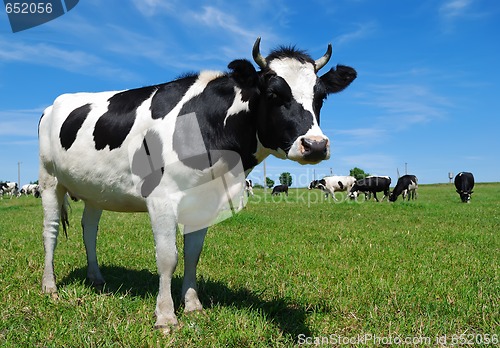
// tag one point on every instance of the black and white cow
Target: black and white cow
(139, 150)
(371, 184)
(334, 183)
(278, 189)
(30, 189)
(407, 185)
(249, 187)
(464, 183)
(10, 189)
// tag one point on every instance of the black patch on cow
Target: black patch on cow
(114, 125)
(319, 98)
(169, 95)
(72, 125)
(200, 130)
(279, 92)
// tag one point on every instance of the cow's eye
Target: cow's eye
(278, 91)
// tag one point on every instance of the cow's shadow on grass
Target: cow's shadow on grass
(290, 317)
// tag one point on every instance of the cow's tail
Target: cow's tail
(64, 215)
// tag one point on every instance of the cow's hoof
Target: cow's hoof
(166, 328)
(193, 306)
(49, 288)
(97, 284)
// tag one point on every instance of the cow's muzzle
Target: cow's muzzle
(310, 149)
(314, 150)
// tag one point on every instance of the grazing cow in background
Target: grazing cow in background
(280, 189)
(171, 149)
(30, 189)
(248, 187)
(464, 183)
(371, 184)
(332, 184)
(9, 188)
(407, 185)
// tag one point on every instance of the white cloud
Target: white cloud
(455, 8)
(373, 163)
(70, 60)
(358, 136)
(20, 122)
(361, 31)
(405, 105)
(153, 7)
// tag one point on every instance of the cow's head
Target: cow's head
(313, 184)
(393, 197)
(465, 195)
(291, 97)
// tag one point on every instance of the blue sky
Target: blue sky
(427, 92)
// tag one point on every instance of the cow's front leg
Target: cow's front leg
(193, 244)
(164, 224)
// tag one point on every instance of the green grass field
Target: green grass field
(284, 271)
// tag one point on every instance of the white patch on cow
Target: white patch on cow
(301, 77)
(238, 105)
(262, 152)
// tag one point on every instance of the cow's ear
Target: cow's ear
(337, 80)
(244, 73)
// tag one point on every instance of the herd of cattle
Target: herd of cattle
(11, 189)
(406, 186)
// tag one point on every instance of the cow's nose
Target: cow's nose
(315, 149)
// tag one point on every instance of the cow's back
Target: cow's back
(464, 181)
(71, 150)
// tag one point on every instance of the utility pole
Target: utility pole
(406, 168)
(19, 173)
(265, 181)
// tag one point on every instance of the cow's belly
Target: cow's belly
(199, 198)
(116, 193)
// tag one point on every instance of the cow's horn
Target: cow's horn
(261, 61)
(321, 62)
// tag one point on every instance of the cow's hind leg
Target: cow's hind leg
(193, 244)
(90, 222)
(52, 201)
